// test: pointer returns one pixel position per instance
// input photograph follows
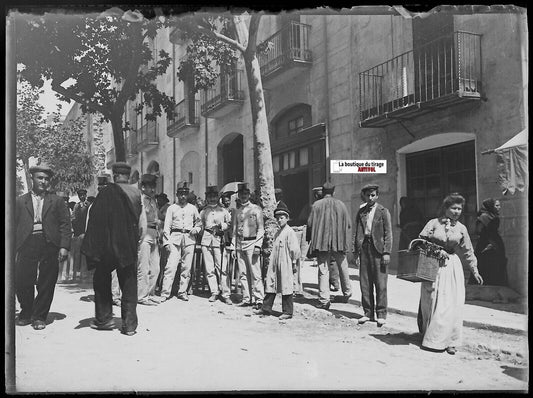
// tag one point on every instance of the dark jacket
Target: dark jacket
(112, 232)
(381, 229)
(55, 219)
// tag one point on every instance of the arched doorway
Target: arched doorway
(230, 159)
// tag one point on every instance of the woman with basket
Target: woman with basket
(440, 314)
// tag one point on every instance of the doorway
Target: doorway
(296, 194)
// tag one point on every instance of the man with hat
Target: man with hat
(148, 262)
(282, 266)
(42, 239)
(179, 236)
(215, 220)
(162, 205)
(373, 244)
(79, 221)
(248, 233)
(330, 234)
(117, 223)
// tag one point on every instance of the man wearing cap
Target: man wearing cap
(330, 227)
(117, 223)
(42, 238)
(282, 266)
(179, 236)
(148, 262)
(215, 220)
(162, 205)
(373, 244)
(79, 220)
(248, 233)
(228, 256)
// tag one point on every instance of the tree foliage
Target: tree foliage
(100, 61)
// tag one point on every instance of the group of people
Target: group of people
(145, 245)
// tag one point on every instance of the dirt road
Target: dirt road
(202, 346)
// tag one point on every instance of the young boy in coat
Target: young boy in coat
(373, 243)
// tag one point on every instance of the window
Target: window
(275, 163)
(304, 159)
(296, 125)
(433, 174)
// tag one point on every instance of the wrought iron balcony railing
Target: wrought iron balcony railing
(288, 45)
(441, 73)
(147, 135)
(227, 92)
(186, 114)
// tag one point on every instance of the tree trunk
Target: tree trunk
(118, 138)
(26, 167)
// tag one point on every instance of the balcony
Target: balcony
(288, 56)
(110, 158)
(225, 96)
(130, 144)
(186, 119)
(147, 136)
(444, 73)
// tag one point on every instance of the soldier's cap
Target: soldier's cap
(369, 187)
(42, 168)
(211, 190)
(328, 186)
(278, 190)
(282, 209)
(81, 191)
(182, 186)
(121, 168)
(242, 187)
(149, 179)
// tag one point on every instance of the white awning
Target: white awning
(512, 163)
(517, 140)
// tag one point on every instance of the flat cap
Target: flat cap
(148, 179)
(243, 187)
(368, 187)
(182, 186)
(121, 168)
(42, 168)
(211, 190)
(282, 209)
(81, 191)
(328, 186)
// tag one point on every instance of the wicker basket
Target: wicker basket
(416, 266)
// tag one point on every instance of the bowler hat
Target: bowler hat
(149, 179)
(369, 187)
(42, 168)
(211, 190)
(81, 191)
(282, 209)
(121, 168)
(182, 186)
(243, 187)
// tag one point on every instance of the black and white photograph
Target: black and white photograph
(218, 199)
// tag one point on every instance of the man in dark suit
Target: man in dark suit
(373, 243)
(43, 234)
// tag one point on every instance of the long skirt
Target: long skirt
(441, 307)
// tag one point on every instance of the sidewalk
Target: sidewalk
(404, 296)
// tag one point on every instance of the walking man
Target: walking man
(42, 238)
(179, 235)
(330, 234)
(117, 223)
(148, 267)
(248, 233)
(215, 220)
(373, 243)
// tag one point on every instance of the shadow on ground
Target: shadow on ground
(85, 323)
(88, 298)
(54, 316)
(398, 338)
(517, 373)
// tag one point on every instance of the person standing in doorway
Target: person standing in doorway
(116, 225)
(42, 238)
(373, 244)
(330, 232)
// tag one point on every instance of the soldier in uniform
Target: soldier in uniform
(42, 237)
(148, 268)
(179, 235)
(248, 233)
(215, 220)
(228, 256)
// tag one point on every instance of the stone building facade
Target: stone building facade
(427, 94)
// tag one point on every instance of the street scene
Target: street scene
(217, 200)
